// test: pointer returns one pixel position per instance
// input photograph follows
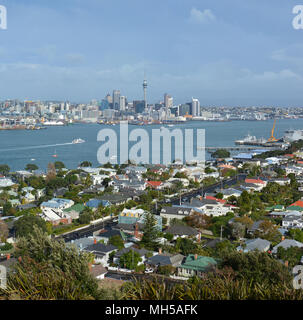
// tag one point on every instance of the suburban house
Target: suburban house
(281, 181)
(75, 210)
(195, 265)
(287, 243)
(255, 244)
(101, 252)
(210, 207)
(142, 253)
(57, 203)
(157, 185)
(229, 192)
(292, 221)
(175, 213)
(182, 231)
(132, 221)
(165, 259)
(258, 182)
(255, 227)
(55, 216)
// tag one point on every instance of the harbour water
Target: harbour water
(20, 147)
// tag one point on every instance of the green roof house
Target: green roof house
(75, 210)
(195, 265)
(277, 207)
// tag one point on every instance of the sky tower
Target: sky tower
(145, 91)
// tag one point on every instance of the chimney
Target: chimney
(8, 256)
(283, 238)
(137, 231)
(286, 263)
(196, 257)
(160, 250)
(95, 241)
(19, 259)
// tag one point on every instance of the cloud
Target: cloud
(197, 16)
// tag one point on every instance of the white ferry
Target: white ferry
(77, 141)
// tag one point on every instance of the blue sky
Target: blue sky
(224, 52)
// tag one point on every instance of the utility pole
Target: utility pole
(221, 232)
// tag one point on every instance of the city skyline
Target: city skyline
(223, 54)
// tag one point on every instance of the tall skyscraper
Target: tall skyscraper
(116, 99)
(195, 107)
(122, 103)
(168, 101)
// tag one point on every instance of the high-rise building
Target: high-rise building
(139, 106)
(168, 101)
(122, 103)
(116, 99)
(109, 98)
(195, 107)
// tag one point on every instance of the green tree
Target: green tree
(3, 231)
(59, 165)
(116, 241)
(25, 225)
(221, 153)
(150, 232)
(51, 270)
(130, 260)
(31, 167)
(4, 169)
(86, 164)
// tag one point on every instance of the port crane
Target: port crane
(272, 138)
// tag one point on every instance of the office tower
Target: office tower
(139, 106)
(109, 98)
(122, 103)
(195, 107)
(116, 99)
(168, 101)
(184, 109)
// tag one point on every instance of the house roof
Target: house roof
(298, 203)
(255, 244)
(101, 248)
(165, 259)
(79, 207)
(141, 252)
(154, 183)
(182, 230)
(199, 263)
(287, 243)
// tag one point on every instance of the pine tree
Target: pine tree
(150, 232)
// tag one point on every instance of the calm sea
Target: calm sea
(18, 148)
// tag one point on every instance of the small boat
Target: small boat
(77, 141)
(55, 155)
(33, 159)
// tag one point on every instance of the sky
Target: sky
(223, 52)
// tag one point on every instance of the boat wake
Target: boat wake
(37, 147)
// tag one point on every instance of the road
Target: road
(225, 183)
(86, 232)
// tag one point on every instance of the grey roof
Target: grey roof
(255, 226)
(181, 230)
(100, 248)
(166, 259)
(142, 252)
(255, 244)
(287, 243)
(176, 210)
